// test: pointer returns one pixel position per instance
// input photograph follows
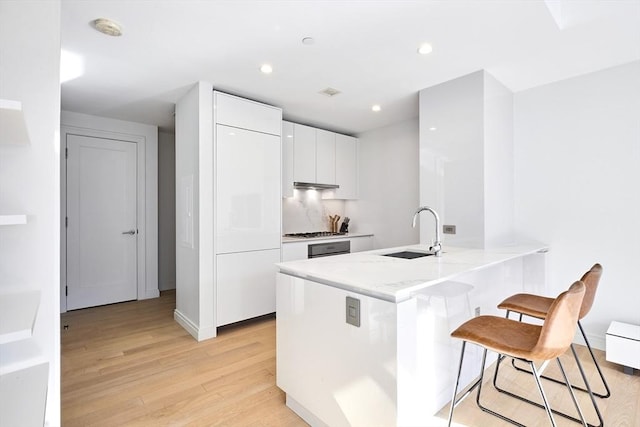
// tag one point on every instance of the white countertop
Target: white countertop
(396, 279)
(315, 239)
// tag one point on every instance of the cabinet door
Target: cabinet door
(287, 159)
(295, 251)
(325, 157)
(359, 244)
(242, 113)
(346, 167)
(304, 153)
(245, 285)
(248, 200)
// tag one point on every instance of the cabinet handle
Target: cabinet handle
(131, 232)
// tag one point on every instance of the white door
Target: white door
(101, 214)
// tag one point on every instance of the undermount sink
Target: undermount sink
(408, 254)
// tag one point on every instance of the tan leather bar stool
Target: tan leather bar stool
(525, 342)
(538, 306)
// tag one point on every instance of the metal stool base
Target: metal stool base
(478, 384)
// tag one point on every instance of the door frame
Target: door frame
(147, 284)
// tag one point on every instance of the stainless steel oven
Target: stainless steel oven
(327, 249)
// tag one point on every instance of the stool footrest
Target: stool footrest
(565, 383)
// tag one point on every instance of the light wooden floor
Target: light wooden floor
(131, 364)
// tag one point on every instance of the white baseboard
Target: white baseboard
(596, 340)
(200, 334)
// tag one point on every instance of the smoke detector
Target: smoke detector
(329, 92)
(108, 27)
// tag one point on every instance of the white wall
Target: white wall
(30, 175)
(577, 177)
(388, 179)
(166, 211)
(194, 200)
(147, 137)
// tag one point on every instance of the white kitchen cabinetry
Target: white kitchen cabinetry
(325, 157)
(304, 153)
(241, 113)
(294, 251)
(319, 156)
(287, 159)
(247, 207)
(248, 190)
(346, 167)
(361, 244)
(246, 285)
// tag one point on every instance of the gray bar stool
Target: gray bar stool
(525, 342)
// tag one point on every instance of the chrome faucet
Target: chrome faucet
(437, 246)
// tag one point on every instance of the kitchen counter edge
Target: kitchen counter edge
(404, 288)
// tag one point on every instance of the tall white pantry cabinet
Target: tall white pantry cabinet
(247, 139)
(228, 209)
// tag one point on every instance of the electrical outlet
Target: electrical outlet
(477, 311)
(353, 311)
(449, 229)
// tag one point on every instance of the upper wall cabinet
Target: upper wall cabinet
(287, 159)
(325, 157)
(245, 114)
(319, 156)
(346, 167)
(304, 153)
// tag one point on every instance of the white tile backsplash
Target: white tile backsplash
(307, 211)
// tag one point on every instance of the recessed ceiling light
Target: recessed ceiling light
(266, 68)
(108, 27)
(376, 108)
(425, 48)
(308, 40)
(433, 128)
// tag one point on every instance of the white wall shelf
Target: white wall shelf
(13, 219)
(17, 315)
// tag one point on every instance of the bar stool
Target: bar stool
(526, 342)
(538, 306)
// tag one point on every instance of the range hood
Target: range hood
(314, 186)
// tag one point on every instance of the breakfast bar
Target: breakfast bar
(363, 338)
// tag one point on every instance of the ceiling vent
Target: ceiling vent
(329, 92)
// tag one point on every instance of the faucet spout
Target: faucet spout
(437, 245)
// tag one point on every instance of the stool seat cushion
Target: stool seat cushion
(501, 335)
(524, 340)
(531, 305)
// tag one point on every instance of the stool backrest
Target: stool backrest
(559, 326)
(590, 279)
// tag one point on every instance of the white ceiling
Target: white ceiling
(365, 49)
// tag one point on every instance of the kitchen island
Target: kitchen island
(363, 338)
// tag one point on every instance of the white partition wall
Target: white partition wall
(194, 201)
(466, 160)
(30, 185)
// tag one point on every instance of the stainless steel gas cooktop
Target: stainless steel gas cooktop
(314, 234)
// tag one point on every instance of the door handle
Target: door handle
(131, 232)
